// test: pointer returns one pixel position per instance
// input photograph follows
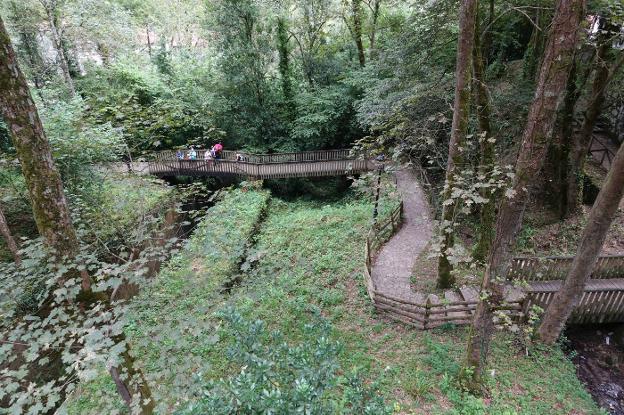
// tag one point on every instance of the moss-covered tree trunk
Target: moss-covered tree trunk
(461, 109)
(356, 14)
(284, 60)
(33, 150)
(487, 211)
(8, 238)
(559, 150)
(594, 234)
(537, 135)
(582, 140)
(44, 183)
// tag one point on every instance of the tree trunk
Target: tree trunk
(552, 81)
(373, 33)
(467, 21)
(284, 60)
(582, 140)
(487, 211)
(8, 238)
(535, 48)
(356, 11)
(594, 234)
(42, 179)
(33, 150)
(58, 45)
(149, 41)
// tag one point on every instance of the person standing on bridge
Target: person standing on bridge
(208, 157)
(218, 149)
(193, 154)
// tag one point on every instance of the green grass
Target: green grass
(170, 326)
(306, 263)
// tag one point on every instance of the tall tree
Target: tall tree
(8, 238)
(356, 16)
(594, 234)
(284, 59)
(46, 193)
(487, 211)
(555, 68)
(582, 139)
(33, 151)
(461, 108)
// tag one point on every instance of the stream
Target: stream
(598, 354)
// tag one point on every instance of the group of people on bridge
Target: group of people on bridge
(215, 153)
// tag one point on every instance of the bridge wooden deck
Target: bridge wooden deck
(263, 166)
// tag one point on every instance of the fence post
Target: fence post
(427, 311)
(379, 170)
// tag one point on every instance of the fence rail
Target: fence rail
(602, 301)
(262, 166)
(556, 268)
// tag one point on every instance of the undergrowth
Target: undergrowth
(306, 268)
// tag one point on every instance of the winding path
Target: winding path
(393, 265)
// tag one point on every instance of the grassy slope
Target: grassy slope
(170, 327)
(308, 261)
(311, 258)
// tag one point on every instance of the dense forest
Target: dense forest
(311, 207)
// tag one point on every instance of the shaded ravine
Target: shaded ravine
(598, 354)
(393, 264)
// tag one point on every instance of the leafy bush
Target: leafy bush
(275, 377)
(76, 143)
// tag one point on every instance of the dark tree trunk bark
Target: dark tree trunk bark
(8, 238)
(467, 21)
(598, 223)
(552, 81)
(555, 186)
(356, 12)
(582, 140)
(487, 211)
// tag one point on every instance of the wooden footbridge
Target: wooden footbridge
(262, 166)
(532, 281)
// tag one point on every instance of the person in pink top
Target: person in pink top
(217, 149)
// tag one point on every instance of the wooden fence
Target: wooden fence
(262, 166)
(426, 314)
(557, 267)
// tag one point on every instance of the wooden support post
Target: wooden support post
(375, 210)
(427, 313)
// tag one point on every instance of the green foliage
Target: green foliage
(279, 378)
(76, 144)
(151, 113)
(326, 118)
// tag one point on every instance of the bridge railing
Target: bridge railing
(277, 158)
(557, 267)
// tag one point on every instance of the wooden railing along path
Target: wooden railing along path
(263, 166)
(456, 307)
(532, 281)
